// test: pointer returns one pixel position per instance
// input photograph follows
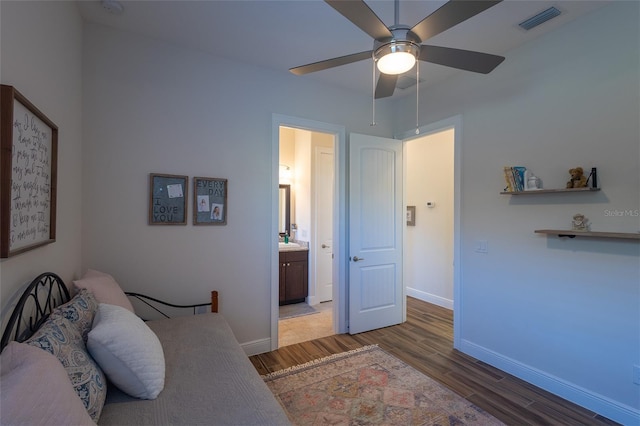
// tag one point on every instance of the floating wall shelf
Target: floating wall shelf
(550, 191)
(573, 234)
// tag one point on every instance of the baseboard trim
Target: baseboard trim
(430, 298)
(602, 405)
(257, 347)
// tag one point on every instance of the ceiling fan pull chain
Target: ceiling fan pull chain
(417, 96)
(373, 94)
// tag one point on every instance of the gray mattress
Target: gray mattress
(209, 380)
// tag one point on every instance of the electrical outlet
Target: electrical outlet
(636, 374)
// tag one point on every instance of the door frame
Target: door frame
(454, 122)
(339, 217)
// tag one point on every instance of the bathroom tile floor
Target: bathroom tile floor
(306, 327)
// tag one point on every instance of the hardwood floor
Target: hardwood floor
(425, 342)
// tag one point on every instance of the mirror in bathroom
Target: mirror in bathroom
(284, 209)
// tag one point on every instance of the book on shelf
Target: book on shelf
(514, 176)
(508, 177)
(519, 172)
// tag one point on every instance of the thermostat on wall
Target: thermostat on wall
(431, 204)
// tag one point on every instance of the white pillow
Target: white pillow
(128, 351)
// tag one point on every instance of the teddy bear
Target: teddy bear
(578, 179)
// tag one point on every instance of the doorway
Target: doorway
(306, 164)
(337, 136)
(428, 260)
(451, 130)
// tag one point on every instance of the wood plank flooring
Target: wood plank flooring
(425, 342)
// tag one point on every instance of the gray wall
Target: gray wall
(42, 59)
(151, 107)
(562, 313)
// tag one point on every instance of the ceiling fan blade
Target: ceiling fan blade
(386, 85)
(462, 59)
(449, 15)
(330, 63)
(361, 16)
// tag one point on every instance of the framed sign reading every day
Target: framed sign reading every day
(209, 201)
(28, 171)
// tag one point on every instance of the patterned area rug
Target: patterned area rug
(369, 386)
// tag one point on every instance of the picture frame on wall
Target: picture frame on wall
(168, 199)
(28, 175)
(209, 201)
(411, 215)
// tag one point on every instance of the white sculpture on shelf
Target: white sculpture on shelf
(531, 182)
(580, 223)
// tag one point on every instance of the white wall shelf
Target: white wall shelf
(550, 191)
(573, 234)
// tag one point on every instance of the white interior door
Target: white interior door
(324, 190)
(375, 233)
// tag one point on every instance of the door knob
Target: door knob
(325, 246)
(357, 259)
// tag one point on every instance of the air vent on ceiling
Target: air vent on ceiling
(406, 81)
(540, 18)
(112, 6)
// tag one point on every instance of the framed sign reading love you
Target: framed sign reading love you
(168, 199)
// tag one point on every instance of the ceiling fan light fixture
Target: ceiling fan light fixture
(396, 57)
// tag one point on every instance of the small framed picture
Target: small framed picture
(411, 215)
(210, 201)
(168, 199)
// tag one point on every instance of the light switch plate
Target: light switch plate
(482, 246)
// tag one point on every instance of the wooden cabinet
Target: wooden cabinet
(294, 276)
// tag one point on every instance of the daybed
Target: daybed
(206, 378)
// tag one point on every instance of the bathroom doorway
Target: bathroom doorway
(307, 165)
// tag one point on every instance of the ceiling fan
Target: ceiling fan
(398, 47)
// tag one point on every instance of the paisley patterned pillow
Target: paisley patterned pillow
(80, 311)
(64, 334)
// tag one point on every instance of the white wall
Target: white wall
(428, 256)
(151, 107)
(302, 184)
(41, 45)
(562, 313)
(287, 150)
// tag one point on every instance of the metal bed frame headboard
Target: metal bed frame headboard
(48, 291)
(152, 303)
(45, 292)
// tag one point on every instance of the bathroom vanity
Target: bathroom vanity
(294, 274)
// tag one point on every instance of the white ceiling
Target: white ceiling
(283, 34)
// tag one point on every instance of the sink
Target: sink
(285, 245)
